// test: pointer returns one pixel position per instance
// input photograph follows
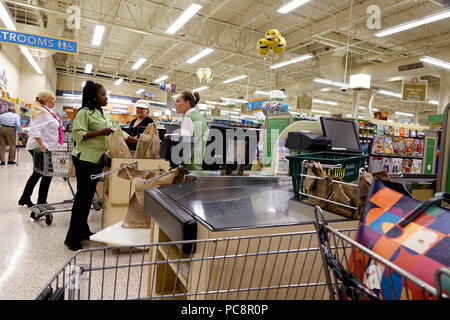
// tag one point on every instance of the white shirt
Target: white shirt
(187, 125)
(10, 119)
(44, 127)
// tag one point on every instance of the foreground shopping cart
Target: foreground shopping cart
(56, 164)
(339, 251)
(273, 267)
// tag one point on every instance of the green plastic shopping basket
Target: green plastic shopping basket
(349, 170)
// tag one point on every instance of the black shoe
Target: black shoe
(2, 163)
(11, 162)
(27, 202)
(73, 246)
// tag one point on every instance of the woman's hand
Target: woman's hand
(43, 148)
(107, 131)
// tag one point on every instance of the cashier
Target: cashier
(138, 125)
(193, 124)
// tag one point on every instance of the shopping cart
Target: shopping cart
(339, 251)
(283, 266)
(56, 163)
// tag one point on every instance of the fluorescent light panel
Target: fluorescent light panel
(332, 83)
(200, 89)
(98, 35)
(88, 68)
(331, 103)
(415, 23)
(320, 111)
(9, 23)
(138, 63)
(140, 91)
(118, 82)
(390, 93)
(243, 76)
(6, 18)
(263, 93)
(160, 79)
(291, 6)
(295, 60)
(185, 17)
(436, 62)
(404, 114)
(200, 55)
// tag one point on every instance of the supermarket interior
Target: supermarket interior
(280, 150)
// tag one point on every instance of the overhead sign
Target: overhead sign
(414, 91)
(304, 102)
(38, 41)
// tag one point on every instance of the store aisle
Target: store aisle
(32, 252)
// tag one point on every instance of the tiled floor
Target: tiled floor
(30, 251)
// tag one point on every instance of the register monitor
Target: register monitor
(344, 134)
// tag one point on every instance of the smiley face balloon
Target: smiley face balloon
(272, 34)
(263, 46)
(280, 45)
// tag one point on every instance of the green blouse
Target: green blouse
(92, 150)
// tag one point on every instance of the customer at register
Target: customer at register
(91, 127)
(9, 123)
(193, 124)
(138, 125)
(45, 133)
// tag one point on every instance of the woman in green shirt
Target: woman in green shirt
(91, 127)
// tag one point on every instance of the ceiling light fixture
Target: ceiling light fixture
(415, 23)
(139, 91)
(291, 6)
(138, 63)
(234, 100)
(390, 93)
(320, 111)
(263, 93)
(88, 68)
(215, 102)
(332, 83)
(436, 62)
(200, 55)
(295, 60)
(9, 23)
(242, 76)
(98, 35)
(331, 103)
(160, 79)
(183, 18)
(200, 89)
(83, 84)
(404, 114)
(435, 102)
(118, 81)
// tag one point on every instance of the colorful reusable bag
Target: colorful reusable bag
(418, 243)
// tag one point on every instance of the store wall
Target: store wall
(9, 60)
(31, 82)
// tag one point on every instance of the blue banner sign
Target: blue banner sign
(38, 41)
(256, 105)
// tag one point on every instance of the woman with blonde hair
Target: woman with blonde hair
(45, 133)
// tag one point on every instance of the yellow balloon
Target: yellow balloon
(263, 46)
(272, 34)
(280, 45)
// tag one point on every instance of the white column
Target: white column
(444, 90)
(356, 98)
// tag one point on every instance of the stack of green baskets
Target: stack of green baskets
(348, 172)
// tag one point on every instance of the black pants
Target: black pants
(79, 228)
(31, 183)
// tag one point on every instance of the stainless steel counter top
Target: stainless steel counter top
(228, 203)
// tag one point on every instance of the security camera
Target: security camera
(344, 89)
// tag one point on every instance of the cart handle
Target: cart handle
(161, 176)
(130, 165)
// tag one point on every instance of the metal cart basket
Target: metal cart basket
(275, 266)
(338, 251)
(56, 163)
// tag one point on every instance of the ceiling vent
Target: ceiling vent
(412, 66)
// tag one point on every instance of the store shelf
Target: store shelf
(390, 155)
